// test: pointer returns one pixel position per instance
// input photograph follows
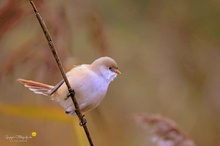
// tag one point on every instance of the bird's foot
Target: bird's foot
(83, 121)
(70, 94)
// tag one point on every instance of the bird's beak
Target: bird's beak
(117, 71)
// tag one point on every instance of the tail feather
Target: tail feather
(36, 87)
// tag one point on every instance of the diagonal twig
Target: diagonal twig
(56, 57)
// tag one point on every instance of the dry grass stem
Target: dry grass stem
(164, 131)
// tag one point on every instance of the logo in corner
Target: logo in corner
(20, 138)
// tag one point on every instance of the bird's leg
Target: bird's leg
(71, 93)
(83, 121)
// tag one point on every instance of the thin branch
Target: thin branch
(56, 57)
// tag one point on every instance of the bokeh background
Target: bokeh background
(168, 53)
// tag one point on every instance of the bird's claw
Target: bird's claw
(70, 94)
(83, 121)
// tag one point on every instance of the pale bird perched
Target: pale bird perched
(89, 81)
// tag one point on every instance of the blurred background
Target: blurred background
(168, 53)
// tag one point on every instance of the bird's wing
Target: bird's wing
(56, 87)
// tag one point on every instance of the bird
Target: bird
(90, 83)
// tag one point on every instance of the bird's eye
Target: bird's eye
(110, 68)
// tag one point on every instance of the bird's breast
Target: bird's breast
(90, 90)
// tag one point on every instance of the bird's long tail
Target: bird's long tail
(36, 87)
